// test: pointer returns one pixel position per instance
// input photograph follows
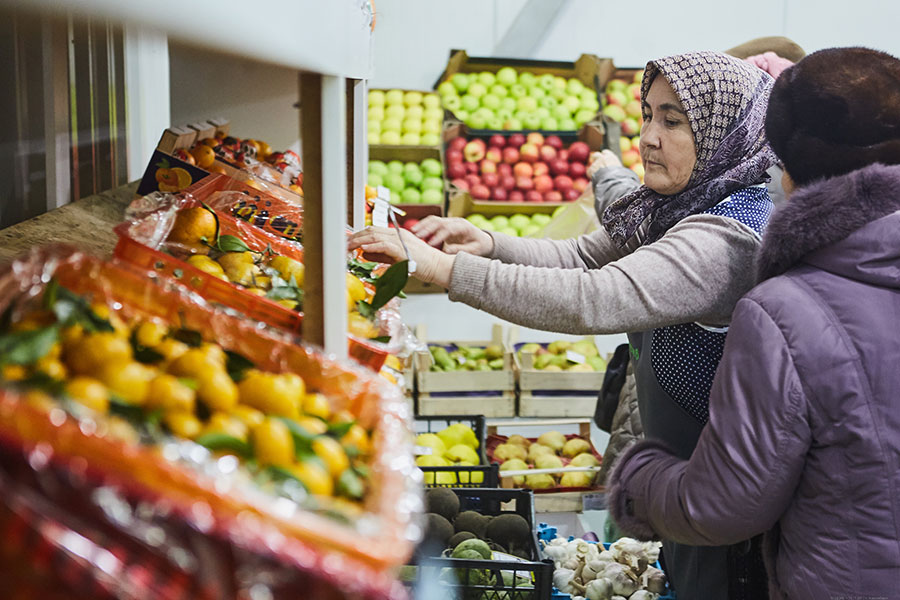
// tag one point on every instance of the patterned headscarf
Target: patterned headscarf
(725, 100)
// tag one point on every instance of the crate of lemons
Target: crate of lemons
(551, 451)
(150, 381)
(455, 445)
(267, 274)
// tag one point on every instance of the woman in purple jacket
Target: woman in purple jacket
(803, 438)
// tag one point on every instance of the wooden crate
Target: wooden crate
(488, 393)
(555, 502)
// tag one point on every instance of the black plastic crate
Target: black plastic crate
(484, 579)
(483, 476)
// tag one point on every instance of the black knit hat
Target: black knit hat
(835, 111)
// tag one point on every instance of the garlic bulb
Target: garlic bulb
(598, 589)
(562, 578)
(624, 585)
(654, 580)
(643, 595)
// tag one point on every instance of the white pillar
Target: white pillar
(147, 102)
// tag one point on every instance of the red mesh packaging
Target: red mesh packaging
(87, 512)
(142, 242)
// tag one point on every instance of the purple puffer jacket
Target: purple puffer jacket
(803, 440)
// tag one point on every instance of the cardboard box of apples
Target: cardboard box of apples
(404, 118)
(512, 94)
(516, 172)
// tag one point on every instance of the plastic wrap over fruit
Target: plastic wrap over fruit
(97, 506)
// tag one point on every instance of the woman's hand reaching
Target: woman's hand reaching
(383, 244)
(601, 160)
(454, 235)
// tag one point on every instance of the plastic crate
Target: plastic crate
(540, 572)
(546, 533)
(464, 475)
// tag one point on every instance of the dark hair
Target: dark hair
(835, 111)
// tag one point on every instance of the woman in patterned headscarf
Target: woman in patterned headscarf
(668, 266)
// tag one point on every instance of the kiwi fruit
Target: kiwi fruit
(443, 502)
(471, 521)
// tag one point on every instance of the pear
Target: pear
(493, 352)
(518, 440)
(536, 450)
(515, 464)
(559, 347)
(553, 439)
(577, 479)
(581, 368)
(504, 452)
(540, 482)
(552, 368)
(541, 361)
(575, 446)
(533, 348)
(586, 348)
(597, 363)
(548, 461)
(584, 459)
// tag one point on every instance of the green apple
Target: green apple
(432, 183)
(431, 167)
(518, 91)
(519, 221)
(477, 89)
(530, 229)
(446, 89)
(391, 138)
(393, 97)
(470, 103)
(540, 219)
(487, 79)
(395, 111)
(375, 180)
(572, 104)
(378, 167)
(411, 139)
(531, 121)
(414, 112)
(484, 112)
(429, 139)
(504, 114)
(431, 126)
(432, 197)
(548, 82)
(391, 124)
(478, 219)
(499, 90)
(549, 123)
(412, 98)
(451, 103)
(495, 122)
(548, 102)
(527, 104)
(568, 124)
(394, 182)
(412, 126)
(591, 104)
(460, 81)
(508, 103)
(527, 78)
(376, 113)
(435, 113)
(615, 85)
(542, 112)
(373, 126)
(537, 93)
(431, 101)
(574, 86)
(508, 231)
(583, 116)
(513, 124)
(559, 94)
(413, 178)
(490, 101)
(507, 76)
(411, 166)
(411, 196)
(560, 112)
(487, 226)
(558, 210)
(559, 83)
(396, 166)
(477, 121)
(499, 222)
(373, 137)
(396, 198)
(462, 115)
(586, 94)
(376, 98)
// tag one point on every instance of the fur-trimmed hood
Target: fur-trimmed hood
(860, 209)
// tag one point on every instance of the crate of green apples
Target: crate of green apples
(404, 118)
(518, 224)
(413, 177)
(559, 379)
(465, 377)
(508, 94)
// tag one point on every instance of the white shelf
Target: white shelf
(330, 37)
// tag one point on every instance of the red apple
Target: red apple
(553, 140)
(456, 171)
(580, 184)
(529, 152)
(461, 184)
(523, 169)
(548, 153)
(515, 140)
(630, 127)
(543, 183)
(534, 196)
(563, 155)
(577, 170)
(525, 183)
(480, 192)
(491, 180)
(579, 152)
(473, 180)
(516, 196)
(559, 167)
(535, 138)
(541, 168)
(457, 144)
(553, 196)
(630, 157)
(507, 182)
(488, 166)
(499, 194)
(494, 155)
(511, 155)
(474, 150)
(571, 195)
(497, 141)
(471, 168)
(562, 183)
(454, 156)
(504, 169)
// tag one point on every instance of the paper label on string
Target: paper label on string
(574, 357)
(381, 207)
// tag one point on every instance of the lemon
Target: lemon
(217, 390)
(273, 443)
(249, 415)
(88, 392)
(458, 433)
(220, 422)
(131, 380)
(13, 372)
(171, 349)
(194, 362)
(462, 453)
(206, 264)
(150, 333)
(50, 367)
(316, 405)
(313, 425)
(183, 425)
(356, 288)
(360, 326)
(432, 461)
(270, 393)
(92, 352)
(314, 478)
(170, 394)
(431, 440)
(288, 267)
(332, 454)
(232, 260)
(357, 437)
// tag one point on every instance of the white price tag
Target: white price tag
(423, 450)
(381, 207)
(576, 358)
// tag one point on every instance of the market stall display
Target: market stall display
(450, 451)
(404, 118)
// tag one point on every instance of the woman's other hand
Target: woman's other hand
(601, 160)
(383, 244)
(454, 235)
